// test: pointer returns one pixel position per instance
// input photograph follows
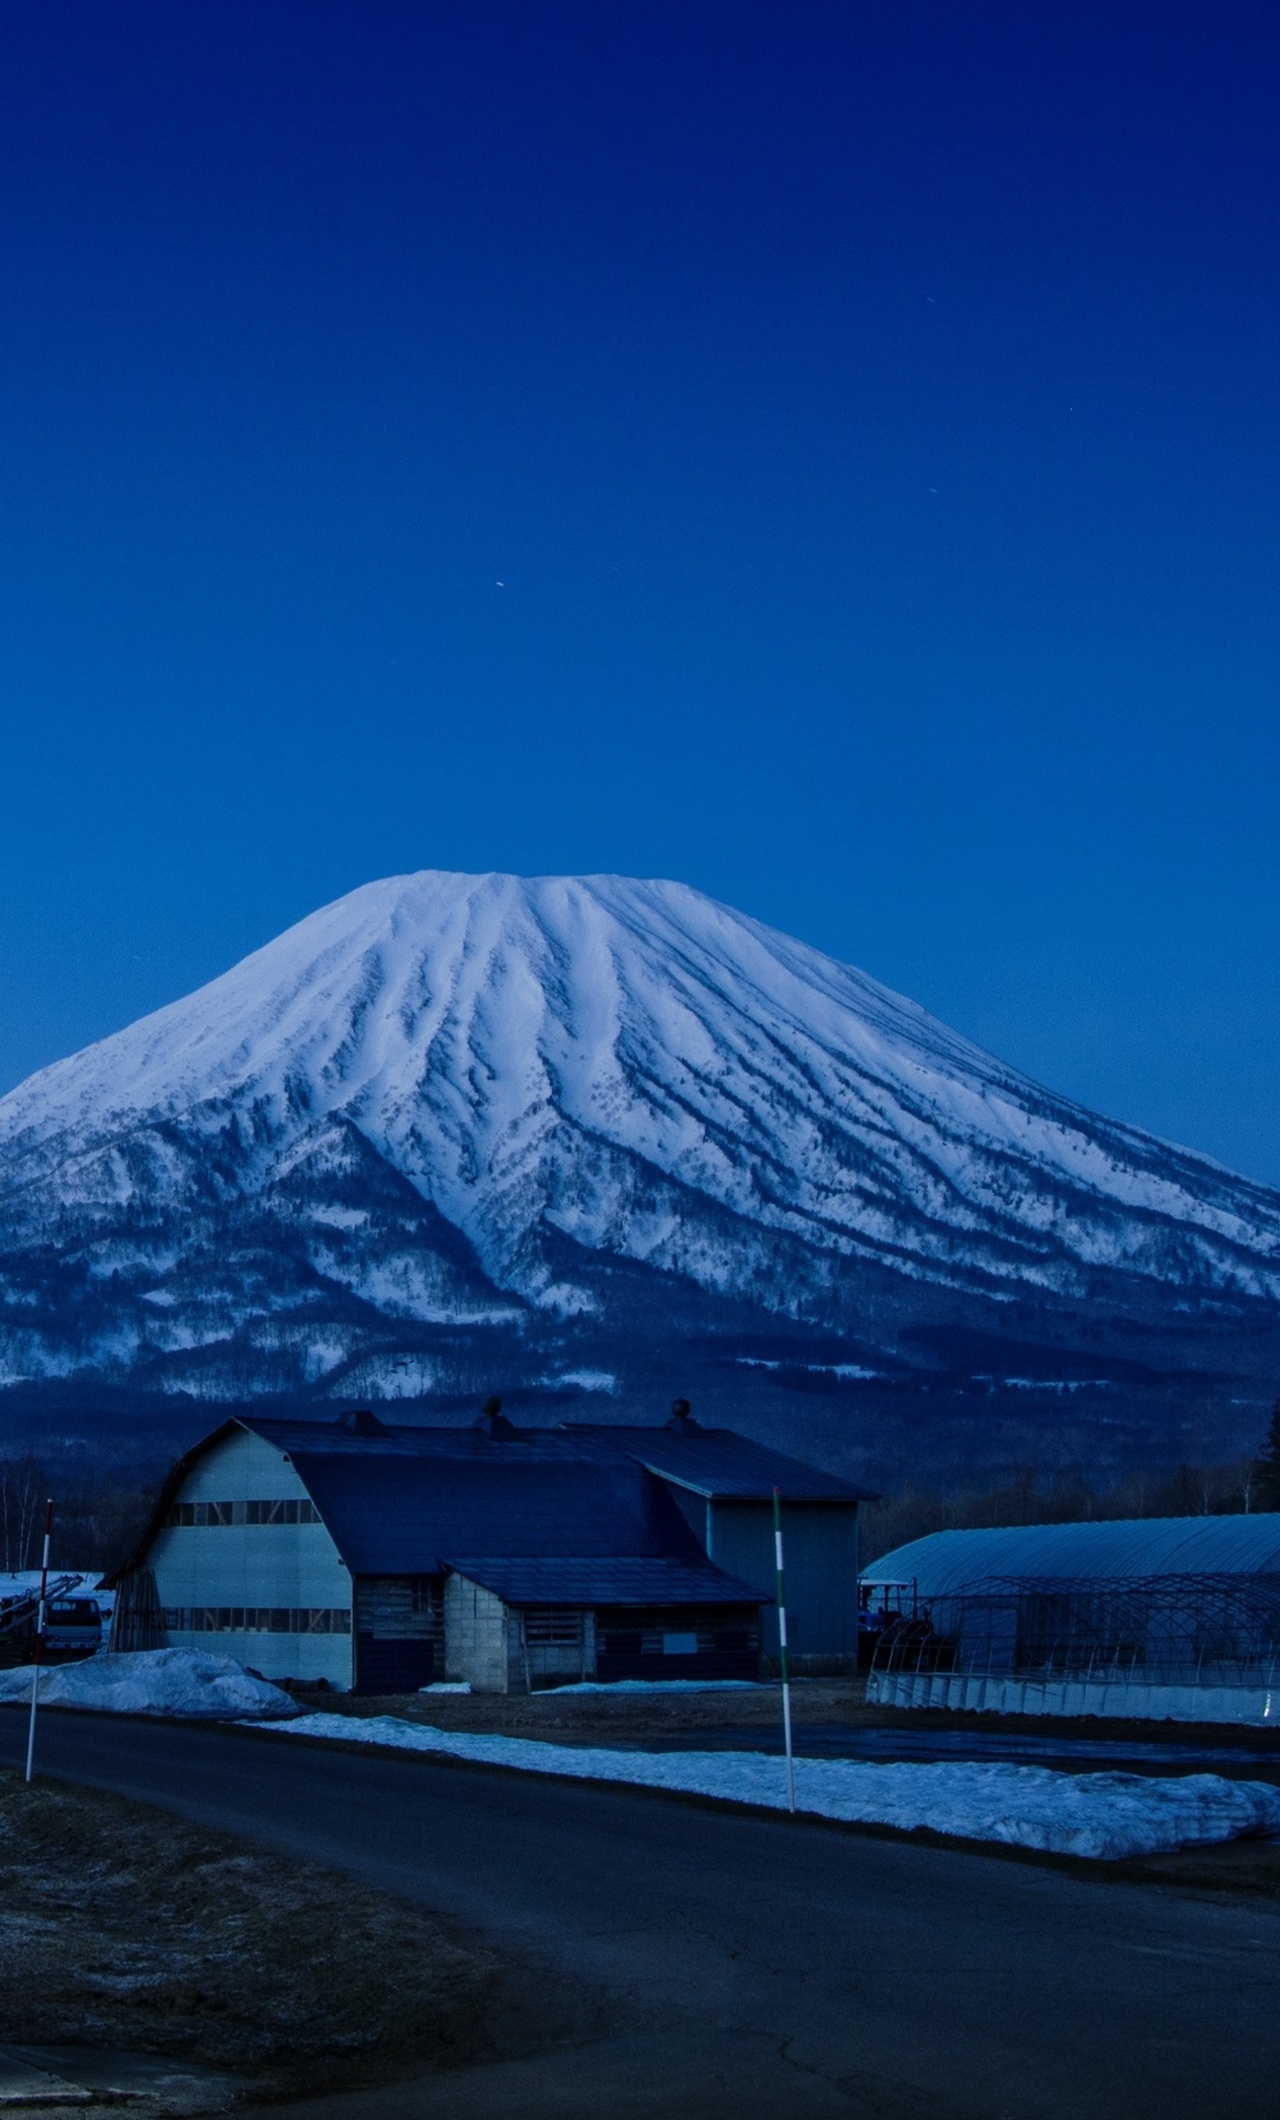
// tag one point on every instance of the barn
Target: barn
(1175, 1617)
(384, 1557)
(723, 1487)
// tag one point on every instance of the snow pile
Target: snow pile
(1105, 1816)
(154, 1682)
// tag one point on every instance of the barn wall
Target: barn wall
(241, 1570)
(399, 1632)
(696, 1511)
(551, 1646)
(821, 1543)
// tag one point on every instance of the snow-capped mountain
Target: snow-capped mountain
(452, 1112)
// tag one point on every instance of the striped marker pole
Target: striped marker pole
(782, 1650)
(40, 1610)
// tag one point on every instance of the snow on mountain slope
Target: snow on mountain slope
(501, 1075)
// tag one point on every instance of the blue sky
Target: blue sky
(825, 453)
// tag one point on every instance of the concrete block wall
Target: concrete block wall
(477, 1644)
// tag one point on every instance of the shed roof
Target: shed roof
(618, 1581)
(945, 1562)
(718, 1464)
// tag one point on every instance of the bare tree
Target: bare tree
(22, 1493)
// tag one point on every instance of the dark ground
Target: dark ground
(749, 1966)
(830, 1718)
(613, 1716)
(125, 1929)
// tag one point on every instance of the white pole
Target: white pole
(35, 1669)
(782, 1650)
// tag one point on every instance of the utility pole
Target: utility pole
(782, 1650)
(40, 1612)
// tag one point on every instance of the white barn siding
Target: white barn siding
(249, 1567)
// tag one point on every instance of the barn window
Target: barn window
(291, 1511)
(553, 1626)
(257, 1619)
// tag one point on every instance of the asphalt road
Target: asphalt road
(752, 1966)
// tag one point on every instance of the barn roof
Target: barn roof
(606, 1581)
(716, 1463)
(399, 1500)
(945, 1562)
(400, 1503)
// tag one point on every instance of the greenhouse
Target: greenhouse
(1174, 1617)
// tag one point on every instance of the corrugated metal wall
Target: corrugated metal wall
(245, 1569)
(821, 1541)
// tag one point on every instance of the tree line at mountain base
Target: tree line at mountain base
(96, 1519)
(1027, 1497)
(98, 1515)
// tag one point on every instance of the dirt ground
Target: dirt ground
(606, 1718)
(123, 1928)
(648, 1718)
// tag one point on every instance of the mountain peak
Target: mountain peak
(463, 1098)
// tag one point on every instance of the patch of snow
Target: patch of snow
(182, 1682)
(660, 1685)
(324, 1353)
(447, 1685)
(586, 1379)
(1101, 1816)
(566, 1300)
(409, 1286)
(818, 1369)
(1058, 1384)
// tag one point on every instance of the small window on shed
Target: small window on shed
(552, 1626)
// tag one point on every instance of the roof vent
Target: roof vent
(362, 1422)
(682, 1421)
(493, 1421)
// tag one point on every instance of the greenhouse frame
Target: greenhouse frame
(1173, 1617)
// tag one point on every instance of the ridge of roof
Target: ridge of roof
(722, 1465)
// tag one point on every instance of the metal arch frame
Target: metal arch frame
(1173, 1629)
